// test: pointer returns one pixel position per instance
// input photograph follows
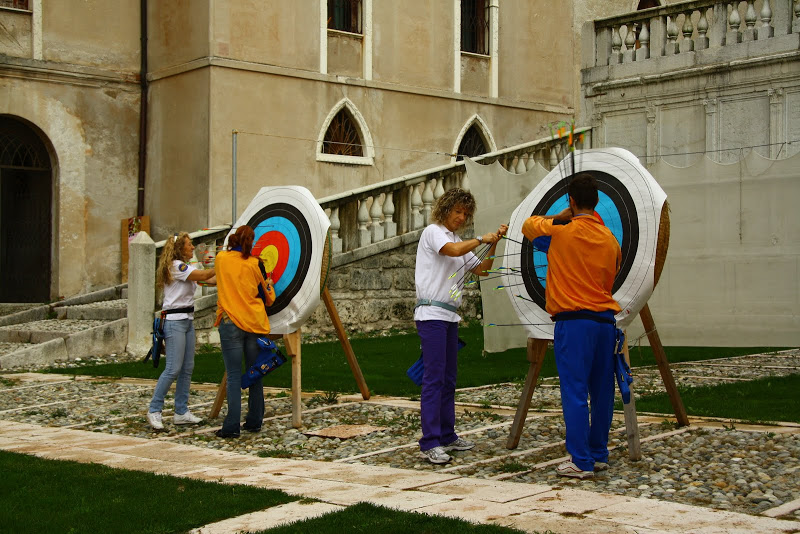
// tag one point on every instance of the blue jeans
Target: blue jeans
(234, 341)
(179, 339)
(584, 352)
(437, 401)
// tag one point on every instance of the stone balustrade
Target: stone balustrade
(686, 27)
(381, 211)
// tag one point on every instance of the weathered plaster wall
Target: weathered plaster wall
(178, 32)
(15, 39)
(177, 185)
(91, 132)
(94, 33)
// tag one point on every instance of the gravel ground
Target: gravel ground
(745, 469)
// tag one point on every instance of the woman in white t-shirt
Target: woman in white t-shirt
(179, 281)
(440, 253)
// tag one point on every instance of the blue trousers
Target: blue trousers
(437, 401)
(180, 341)
(234, 342)
(584, 352)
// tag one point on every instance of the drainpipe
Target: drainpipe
(142, 110)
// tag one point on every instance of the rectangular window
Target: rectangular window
(344, 15)
(475, 26)
(16, 4)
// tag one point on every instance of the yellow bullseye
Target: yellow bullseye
(270, 257)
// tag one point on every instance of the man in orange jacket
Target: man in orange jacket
(583, 260)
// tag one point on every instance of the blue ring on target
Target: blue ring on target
(615, 206)
(291, 223)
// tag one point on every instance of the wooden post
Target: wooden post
(663, 366)
(631, 421)
(292, 344)
(348, 349)
(220, 398)
(536, 351)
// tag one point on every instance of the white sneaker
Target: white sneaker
(460, 444)
(186, 418)
(154, 418)
(569, 469)
(436, 455)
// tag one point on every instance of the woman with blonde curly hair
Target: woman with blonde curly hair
(440, 253)
(178, 280)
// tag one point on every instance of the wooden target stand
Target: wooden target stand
(537, 348)
(292, 345)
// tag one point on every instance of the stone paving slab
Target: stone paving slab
(273, 517)
(559, 507)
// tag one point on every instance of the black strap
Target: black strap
(188, 309)
(583, 314)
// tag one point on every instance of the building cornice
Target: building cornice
(66, 73)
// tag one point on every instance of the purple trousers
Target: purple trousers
(437, 401)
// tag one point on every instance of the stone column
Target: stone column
(141, 294)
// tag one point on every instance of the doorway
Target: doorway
(25, 213)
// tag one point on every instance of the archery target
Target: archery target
(290, 235)
(629, 204)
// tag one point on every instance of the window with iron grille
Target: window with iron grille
(342, 137)
(472, 144)
(475, 26)
(344, 15)
(16, 4)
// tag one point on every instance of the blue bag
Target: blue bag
(269, 359)
(417, 371)
(157, 349)
(622, 370)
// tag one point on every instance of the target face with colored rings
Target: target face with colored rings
(629, 204)
(290, 234)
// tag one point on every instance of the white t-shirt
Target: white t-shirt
(180, 292)
(432, 273)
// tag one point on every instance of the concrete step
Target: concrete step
(43, 342)
(106, 310)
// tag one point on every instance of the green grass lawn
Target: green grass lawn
(764, 400)
(384, 360)
(41, 495)
(59, 496)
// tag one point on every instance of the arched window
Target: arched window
(474, 139)
(472, 144)
(344, 137)
(647, 4)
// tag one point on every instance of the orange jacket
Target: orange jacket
(582, 262)
(237, 292)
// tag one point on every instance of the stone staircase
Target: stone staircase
(42, 334)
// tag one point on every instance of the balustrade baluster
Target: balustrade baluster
(336, 241)
(701, 43)
(629, 55)
(643, 52)
(750, 19)
(464, 181)
(734, 22)
(687, 43)
(521, 168)
(766, 30)
(616, 45)
(364, 237)
(512, 166)
(376, 228)
(672, 37)
(439, 191)
(417, 219)
(390, 227)
(427, 201)
(796, 21)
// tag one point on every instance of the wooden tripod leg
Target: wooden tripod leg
(345, 342)
(536, 352)
(663, 366)
(221, 394)
(631, 421)
(292, 344)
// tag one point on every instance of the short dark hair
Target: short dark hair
(583, 190)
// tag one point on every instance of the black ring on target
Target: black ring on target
(302, 263)
(623, 202)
